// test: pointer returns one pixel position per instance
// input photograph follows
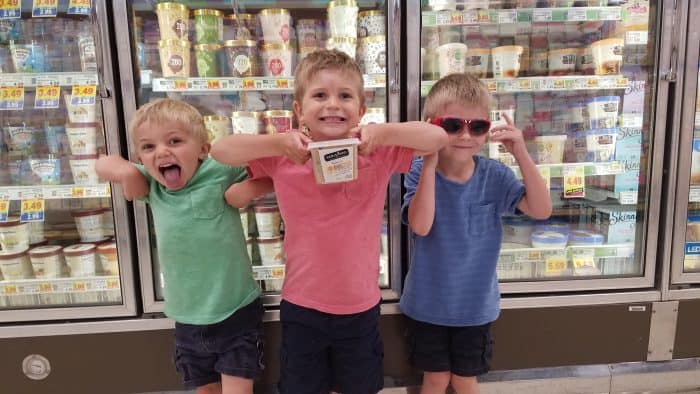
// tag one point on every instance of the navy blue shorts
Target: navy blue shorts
(322, 352)
(233, 346)
(463, 351)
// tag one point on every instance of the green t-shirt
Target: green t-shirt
(206, 269)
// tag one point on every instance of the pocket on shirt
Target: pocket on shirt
(364, 187)
(481, 218)
(207, 202)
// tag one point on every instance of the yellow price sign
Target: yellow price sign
(45, 287)
(44, 8)
(7, 4)
(32, 210)
(214, 84)
(83, 94)
(278, 272)
(583, 262)
(77, 192)
(554, 265)
(79, 7)
(112, 283)
(12, 98)
(4, 209)
(10, 289)
(283, 83)
(574, 181)
(79, 286)
(180, 84)
(47, 96)
(248, 84)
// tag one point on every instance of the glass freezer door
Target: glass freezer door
(236, 65)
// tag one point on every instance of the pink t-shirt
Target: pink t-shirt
(332, 231)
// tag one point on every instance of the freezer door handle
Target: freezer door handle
(394, 83)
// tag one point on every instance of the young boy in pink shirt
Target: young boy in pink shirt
(330, 307)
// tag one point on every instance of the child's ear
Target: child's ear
(297, 111)
(204, 152)
(363, 109)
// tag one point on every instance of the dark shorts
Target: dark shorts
(322, 352)
(463, 351)
(232, 347)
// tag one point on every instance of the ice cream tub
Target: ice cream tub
(562, 61)
(81, 259)
(506, 61)
(246, 223)
(271, 250)
(109, 261)
(584, 61)
(90, 224)
(584, 237)
(371, 23)
(373, 50)
(451, 58)
(277, 60)
(47, 261)
(517, 230)
(28, 58)
(268, 220)
(246, 122)
(578, 116)
(20, 171)
(20, 139)
(477, 62)
(600, 144)
(498, 152)
(82, 138)
(174, 58)
(47, 170)
(16, 265)
(277, 121)
(549, 239)
(241, 56)
(275, 24)
(243, 27)
(83, 169)
(550, 149)
(217, 126)
(342, 18)
(14, 235)
(55, 138)
(208, 26)
(173, 21)
(343, 44)
(36, 232)
(334, 161)
(307, 33)
(607, 55)
(207, 59)
(79, 113)
(555, 226)
(603, 112)
(539, 63)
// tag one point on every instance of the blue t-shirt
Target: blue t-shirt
(452, 277)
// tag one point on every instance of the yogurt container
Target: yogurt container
(477, 62)
(549, 239)
(207, 59)
(246, 122)
(343, 44)
(14, 235)
(451, 58)
(562, 61)
(79, 113)
(372, 54)
(271, 250)
(83, 169)
(217, 127)
(174, 58)
(173, 21)
(208, 26)
(607, 55)
(518, 230)
(81, 260)
(90, 224)
(82, 138)
(371, 23)
(600, 144)
(550, 149)
(47, 170)
(109, 261)
(15, 265)
(277, 121)
(47, 261)
(335, 160)
(583, 237)
(242, 57)
(275, 23)
(267, 220)
(342, 18)
(506, 61)
(277, 60)
(603, 112)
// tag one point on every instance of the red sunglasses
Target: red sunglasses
(476, 127)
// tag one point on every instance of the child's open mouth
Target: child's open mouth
(171, 173)
(332, 119)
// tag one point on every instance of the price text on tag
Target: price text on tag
(83, 94)
(12, 98)
(10, 9)
(4, 209)
(574, 181)
(79, 7)
(47, 97)
(555, 265)
(44, 8)
(32, 210)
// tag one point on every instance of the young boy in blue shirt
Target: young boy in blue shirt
(453, 204)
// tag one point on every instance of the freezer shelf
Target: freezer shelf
(60, 291)
(49, 79)
(219, 84)
(546, 84)
(590, 169)
(8, 193)
(525, 15)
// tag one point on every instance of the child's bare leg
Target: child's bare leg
(236, 385)
(465, 385)
(211, 388)
(435, 382)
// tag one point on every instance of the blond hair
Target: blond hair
(168, 110)
(462, 88)
(325, 59)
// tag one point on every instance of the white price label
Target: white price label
(542, 15)
(697, 119)
(628, 198)
(612, 14)
(576, 15)
(636, 37)
(694, 195)
(632, 121)
(507, 17)
(470, 16)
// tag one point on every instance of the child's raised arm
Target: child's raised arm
(423, 137)
(240, 194)
(238, 149)
(421, 209)
(116, 169)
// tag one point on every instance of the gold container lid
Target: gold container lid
(206, 11)
(370, 13)
(207, 47)
(171, 6)
(377, 38)
(271, 11)
(278, 112)
(276, 45)
(214, 117)
(245, 114)
(174, 42)
(337, 3)
(240, 43)
(240, 16)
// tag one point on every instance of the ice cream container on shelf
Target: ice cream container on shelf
(14, 235)
(518, 230)
(28, 57)
(553, 226)
(109, 261)
(207, 60)
(451, 58)
(79, 112)
(578, 115)
(20, 139)
(277, 121)
(550, 149)
(334, 160)
(506, 61)
(90, 224)
(83, 169)
(603, 112)
(218, 126)
(271, 250)
(247, 122)
(585, 237)
(47, 170)
(108, 222)
(277, 60)
(342, 18)
(343, 44)
(607, 55)
(36, 232)
(584, 61)
(498, 152)
(549, 239)
(242, 57)
(371, 23)
(372, 54)
(307, 33)
(449, 34)
(275, 24)
(174, 58)
(267, 220)
(240, 27)
(273, 285)
(247, 224)
(173, 21)
(562, 61)
(81, 259)
(47, 261)
(600, 144)
(16, 265)
(20, 171)
(82, 138)
(477, 61)
(373, 115)
(539, 63)
(208, 26)
(617, 223)
(56, 139)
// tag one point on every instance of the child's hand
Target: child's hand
(294, 146)
(509, 136)
(240, 194)
(368, 138)
(112, 168)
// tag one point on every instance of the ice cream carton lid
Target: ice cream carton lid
(603, 98)
(266, 208)
(206, 11)
(12, 255)
(45, 251)
(370, 13)
(278, 112)
(107, 247)
(171, 6)
(79, 249)
(549, 237)
(334, 143)
(88, 212)
(557, 227)
(11, 221)
(586, 237)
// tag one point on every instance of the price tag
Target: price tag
(282, 83)
(10, 9)
(694, 194)
(470, 16)
(83, 95)
(546, 174)
(12, 98)
(576, 15)
(32, 210)
(542, 15)
(612, 14)
(77, 192)
(79, 286)
(214, 84)
(44, 8)
(442, 18)
(47, 96)
(524, 84)
(455, 18)
(507, 17)
(79, 7)
(10, 289)
(636, 37)
(278, 273)
(180, 84)
(4, 209)
(45, 287)
(491, 85)
(633, 121)
(574, 181)
(112, 284)
(628, 198)
(583, 258)
(554, 265)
